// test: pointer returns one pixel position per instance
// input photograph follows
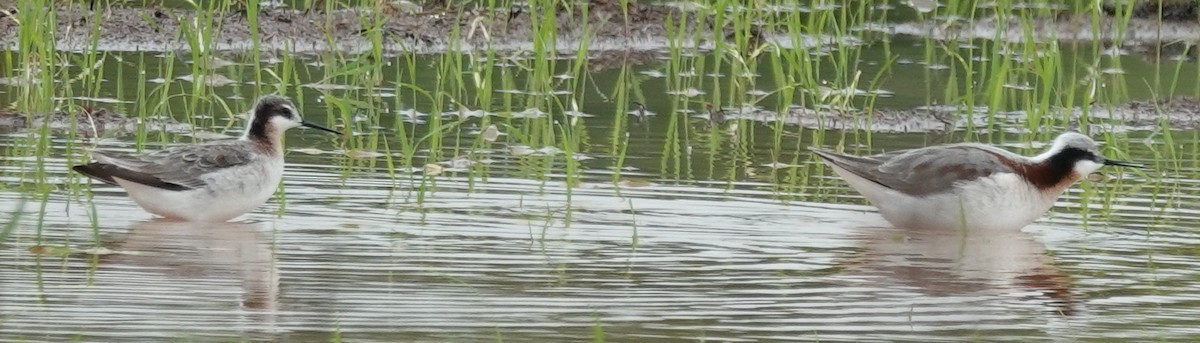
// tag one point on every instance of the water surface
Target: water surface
(707, 233)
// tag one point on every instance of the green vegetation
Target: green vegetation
(827, 61)
(730, 108)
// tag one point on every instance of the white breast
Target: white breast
(231, 192)
(1002, 201)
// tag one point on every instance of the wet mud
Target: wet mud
(87, 123)
(1176, 113)
(351, 30)
(616, 36)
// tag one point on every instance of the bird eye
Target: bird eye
(288, 112)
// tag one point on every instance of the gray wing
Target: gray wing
(924, 171)
(178, 168)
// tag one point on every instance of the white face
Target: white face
(283, 122)
(1087, 167)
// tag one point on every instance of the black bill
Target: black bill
(1124, 164)
(318, 127)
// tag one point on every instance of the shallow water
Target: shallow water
(355, 256)
(699, 240)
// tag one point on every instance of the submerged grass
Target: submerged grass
(722, 55)
(415, 117)
(13, 220)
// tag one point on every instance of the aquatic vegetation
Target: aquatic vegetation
(506, 154)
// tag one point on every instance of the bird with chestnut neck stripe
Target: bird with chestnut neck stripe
(969, 186)
(208, 182)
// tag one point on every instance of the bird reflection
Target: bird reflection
(716, 115)
(639, 112)
(942, 263)
(204, 251)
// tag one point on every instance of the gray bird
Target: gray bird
(968, 185)
(208, 182)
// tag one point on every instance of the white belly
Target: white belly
(999, 202)
(230, 193)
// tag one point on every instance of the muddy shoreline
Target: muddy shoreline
(1180, 113)
(611, 39)
(161, 29)
(606, 29)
